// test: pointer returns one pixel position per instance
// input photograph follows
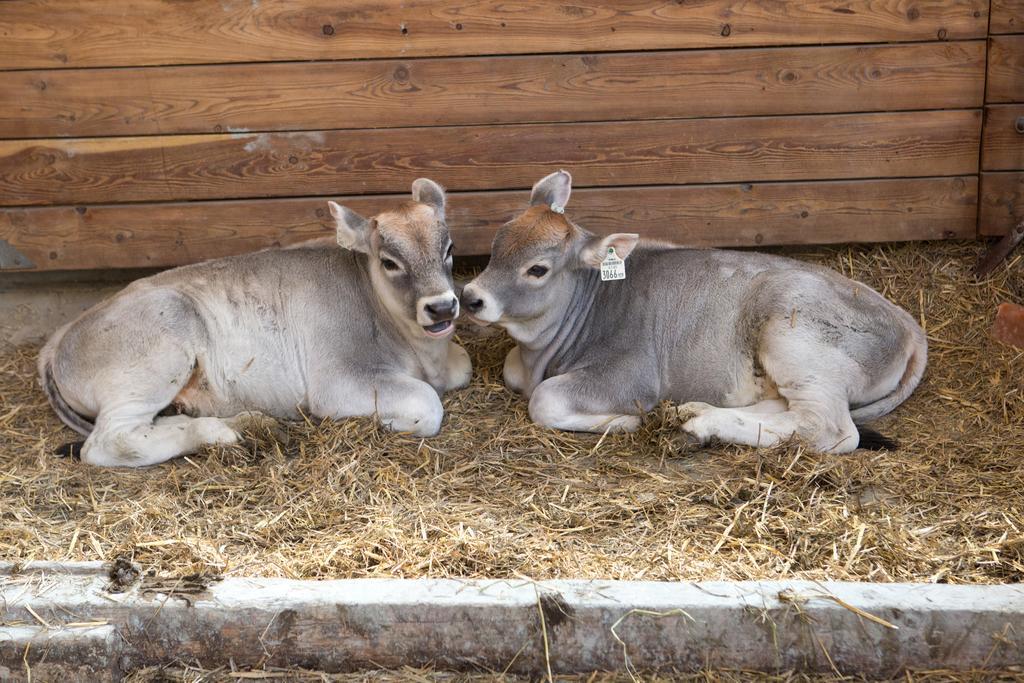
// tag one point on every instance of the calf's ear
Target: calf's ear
(426, 191)
(552, 190)
(352, 229)
(595, 249)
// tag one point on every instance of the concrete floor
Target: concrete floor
(32, 305)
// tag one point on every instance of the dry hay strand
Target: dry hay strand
(495, 496)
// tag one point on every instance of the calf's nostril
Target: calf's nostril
(475, 305)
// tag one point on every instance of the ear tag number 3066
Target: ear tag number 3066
(612, 268)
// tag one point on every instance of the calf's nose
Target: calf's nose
(441, 310)
(473, 304)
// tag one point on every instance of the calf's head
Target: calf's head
(409, 257)
(538, 259)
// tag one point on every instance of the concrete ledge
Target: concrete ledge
(67, 613)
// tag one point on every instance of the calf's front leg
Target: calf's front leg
(563, 402)
(458, 368)
(514, 371)
(401, 403)
(410, 405)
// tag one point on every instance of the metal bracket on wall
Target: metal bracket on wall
(11, 258)
(999, 251)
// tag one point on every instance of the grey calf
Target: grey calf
(335, 332)
(757, 348)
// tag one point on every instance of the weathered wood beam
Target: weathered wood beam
(753, 214)
(521, 626)
(661, 152)
(500, 90)
(68, 34)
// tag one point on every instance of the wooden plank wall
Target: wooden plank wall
(1002, 158)
(158, 132)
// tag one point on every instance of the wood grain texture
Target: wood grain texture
(599, 87)
(1001, 202)
(70, 33)
(1005, 69)
(190, 167)
(1003, 143)
(1007, 16)
(144, 235)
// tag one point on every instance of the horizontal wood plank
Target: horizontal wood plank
(1003, 144)
(140, 235)
(1007, 16)
(604, 87)
(174, 168)
(70, 33)
(1002, 202)
(1006, 69)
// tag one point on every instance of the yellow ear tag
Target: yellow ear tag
(612, 268)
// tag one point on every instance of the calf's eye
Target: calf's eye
(389, 264)
(448, 254)
(537, 271)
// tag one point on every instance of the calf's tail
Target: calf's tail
(875, 441)
(65, 412)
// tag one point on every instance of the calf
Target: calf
(756, 348)
(364, 329)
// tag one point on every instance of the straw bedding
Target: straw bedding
(225, 674)
(495, 496)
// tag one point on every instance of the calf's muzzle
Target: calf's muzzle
(437, 314)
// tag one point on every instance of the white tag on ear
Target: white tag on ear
(612, 268)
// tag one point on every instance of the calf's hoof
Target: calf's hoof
(692, 431)
(423, 422)
(255, 423)
(213, 430)
(688, 411)
(689, 440)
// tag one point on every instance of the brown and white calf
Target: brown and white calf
(356, 330)
(757, 348)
